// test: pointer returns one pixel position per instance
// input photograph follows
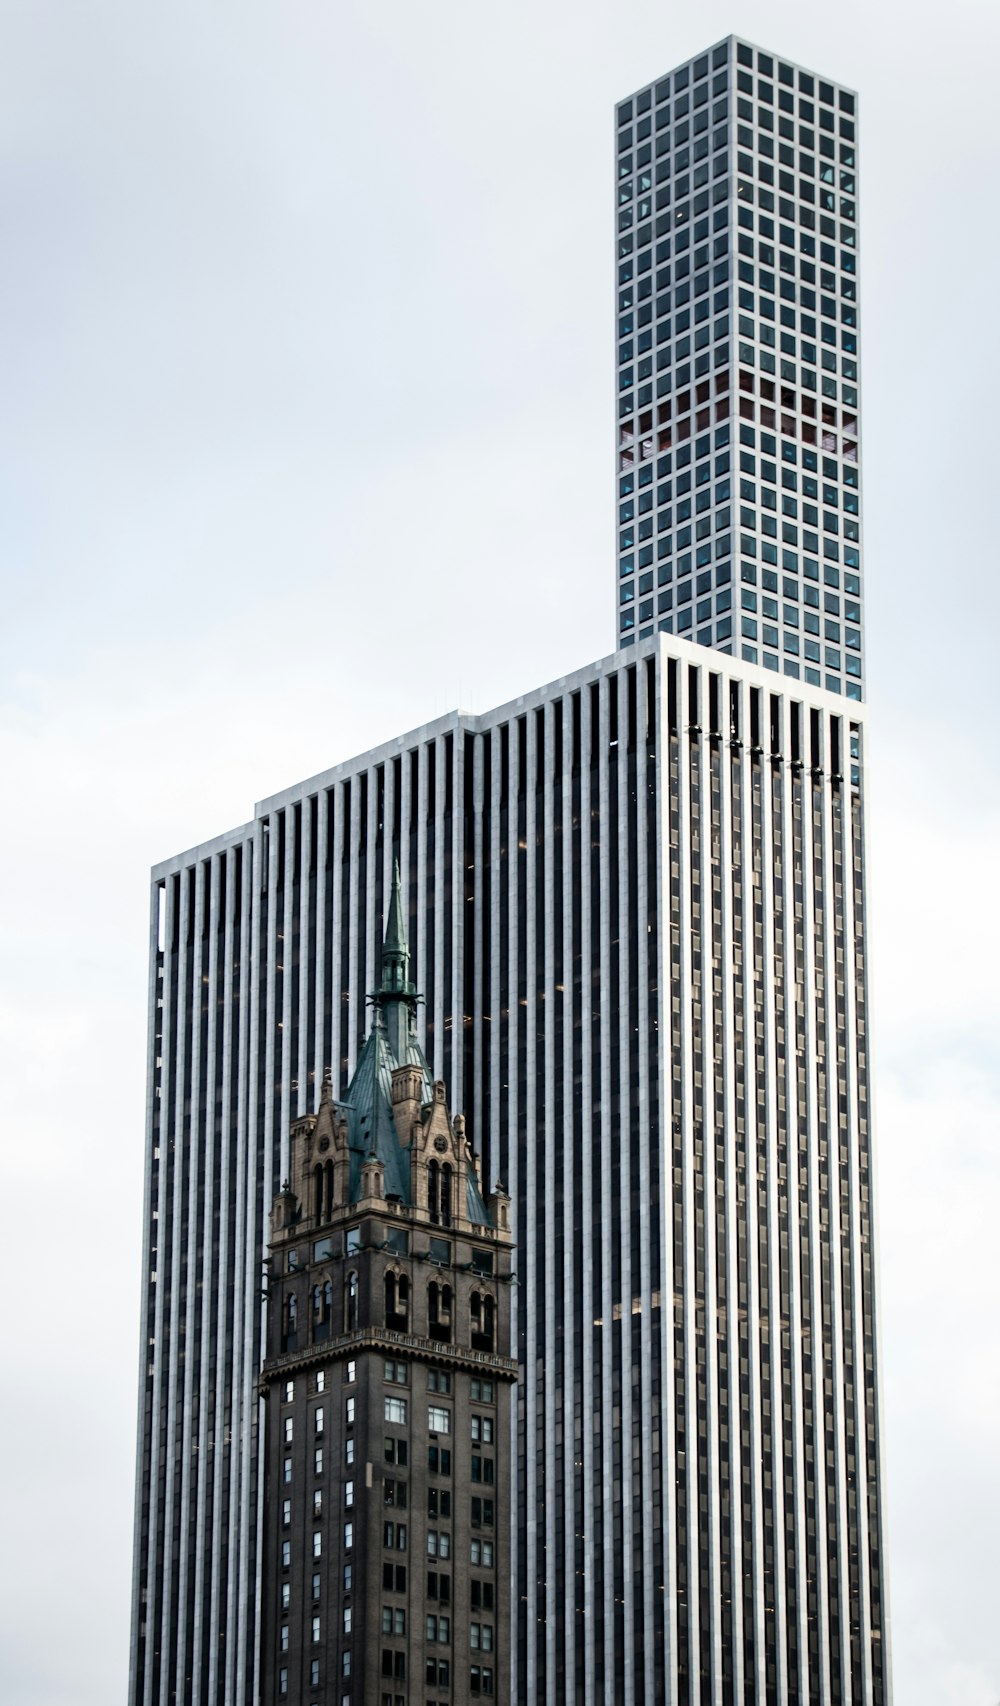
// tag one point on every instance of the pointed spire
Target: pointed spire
(395, 930)
(396, 997)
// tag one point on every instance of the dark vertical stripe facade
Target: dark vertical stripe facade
(637, 905)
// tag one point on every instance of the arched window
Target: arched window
(433, 1189)
(290, 1325)
(481, 1313)
(439, 1312)
(317, 1192)
(322, 1310)
(328, 1172)
(351, 1302)
(397, 1301)
(446, 1194)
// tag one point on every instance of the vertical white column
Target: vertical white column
(566, 1161)
(458, 997)
(607, 1610)
(590, 1303)
(219, 1456)
(623, 1328)
(245, 1416)
(547, 1138)
(420, 813)
(729, 1326)
(774, 1222)
(368, 973)
(322, 1048)
(175, 1397)
(388, 855)
(203, 1554)
(161, 1362)
(406, 807)
(648, 1188)
(439, 903)
(711, 1014)
(839, 1233)
(354, 970)
(789, 784)
(481, 1138)
(300, 1103)
(668, 1111)
(813, 1345)
(754, 877)
(285, 1064)
(688, 745)
(339, 965)
(491, 1141)
(856, 1210)
(534, 1417)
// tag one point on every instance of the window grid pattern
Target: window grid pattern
(738, 473)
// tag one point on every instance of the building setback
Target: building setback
(386, 1535)
(737, 460)
(637, 898)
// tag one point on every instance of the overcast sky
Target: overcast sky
(306, 402)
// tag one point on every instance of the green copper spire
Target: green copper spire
(395, 953)
(396, 997)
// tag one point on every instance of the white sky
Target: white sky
(306, 403)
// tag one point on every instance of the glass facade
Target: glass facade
(738, 473)
(649, 988)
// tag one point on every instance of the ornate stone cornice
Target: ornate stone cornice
(383, 1339)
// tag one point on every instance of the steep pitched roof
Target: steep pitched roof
(371, 1126)
(367, 1105)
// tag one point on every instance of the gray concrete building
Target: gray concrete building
(737, 323)
(638, 902)
(387, 1393)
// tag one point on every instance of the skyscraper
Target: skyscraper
(640, 898)
(386, 1567)
(638, 901)
(739, 500)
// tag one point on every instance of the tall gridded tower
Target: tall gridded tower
(739, 520)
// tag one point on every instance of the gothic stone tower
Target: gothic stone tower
(386, 1385)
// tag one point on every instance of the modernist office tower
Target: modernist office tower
(386, 1544)
(737, 323)
(637, 899)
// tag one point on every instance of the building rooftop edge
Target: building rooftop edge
(758, 47)
(668, 645)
